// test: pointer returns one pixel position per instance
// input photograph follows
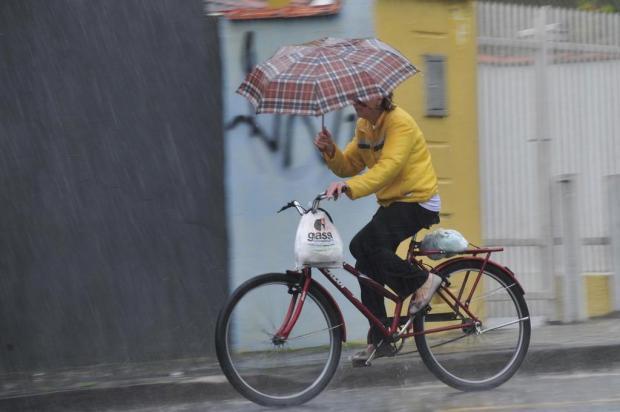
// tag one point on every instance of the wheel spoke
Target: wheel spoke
(313, 333)
(464, 335)
(504, 325)
(493, 292)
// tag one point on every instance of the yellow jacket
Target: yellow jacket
(395, 153)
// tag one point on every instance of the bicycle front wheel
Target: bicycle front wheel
(266, 368)
(470, 354)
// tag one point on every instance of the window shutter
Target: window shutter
(435, 78)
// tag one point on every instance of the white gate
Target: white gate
(549, 111)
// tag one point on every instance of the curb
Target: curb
(404, 371)
(411, 370)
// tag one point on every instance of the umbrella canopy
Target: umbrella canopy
(324, 75)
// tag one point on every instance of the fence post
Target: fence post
(573, 293)
(543, 157)
(613, 217)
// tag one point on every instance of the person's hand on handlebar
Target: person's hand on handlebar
(335, 189)
(325, 143)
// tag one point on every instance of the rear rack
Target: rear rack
(414, 251)
(475, 251)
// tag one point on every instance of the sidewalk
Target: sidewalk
(590, 345)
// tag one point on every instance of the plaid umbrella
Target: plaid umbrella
(324, 75)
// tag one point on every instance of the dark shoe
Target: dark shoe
(416, 305)
(362, 358)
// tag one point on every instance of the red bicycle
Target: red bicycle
(279, 336)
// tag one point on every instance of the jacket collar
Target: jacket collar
(372, 129)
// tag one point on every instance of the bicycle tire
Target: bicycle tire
(225, 350)
(430, 347)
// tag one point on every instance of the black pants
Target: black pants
(374, 248)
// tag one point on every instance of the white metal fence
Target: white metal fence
(549, 107)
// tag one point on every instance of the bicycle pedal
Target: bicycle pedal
(360, 363)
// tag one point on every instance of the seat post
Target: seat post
(412, 246)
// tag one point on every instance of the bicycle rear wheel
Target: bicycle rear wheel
(475, 356)
(263, 367)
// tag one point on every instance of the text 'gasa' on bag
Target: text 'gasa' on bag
(317, 242)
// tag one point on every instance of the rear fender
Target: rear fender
(490, 263)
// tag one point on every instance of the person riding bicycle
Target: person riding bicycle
(389, 143)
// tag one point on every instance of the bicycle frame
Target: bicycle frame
(485, 296)
(459, 306)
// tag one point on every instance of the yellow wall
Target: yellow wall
(598, 294)
(417, 27)
(597, 289)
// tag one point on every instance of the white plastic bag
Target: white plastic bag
(446, 240)
(317, 242)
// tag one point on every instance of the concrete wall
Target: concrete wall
(556, 117)
(113, 244)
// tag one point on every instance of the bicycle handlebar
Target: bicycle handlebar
(299, 207)
(317, 200)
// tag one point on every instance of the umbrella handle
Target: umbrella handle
(323, 122)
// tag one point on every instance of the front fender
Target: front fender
(331, 299)
(335, 305)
